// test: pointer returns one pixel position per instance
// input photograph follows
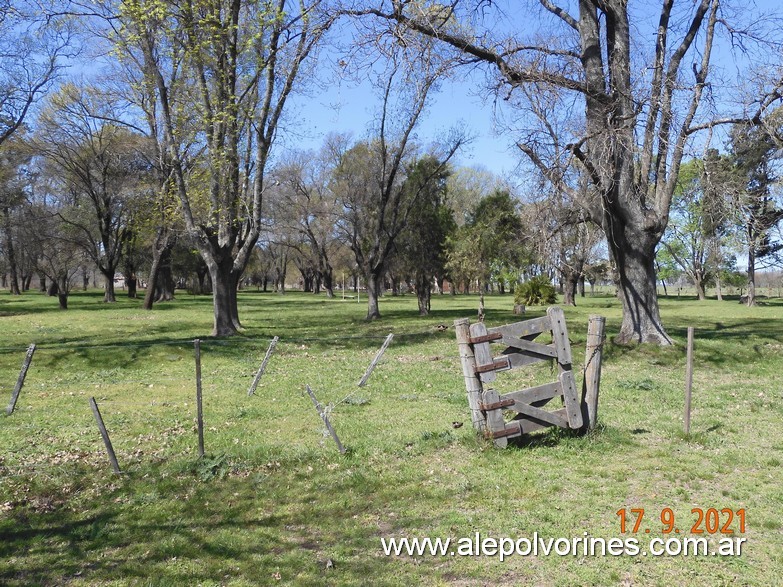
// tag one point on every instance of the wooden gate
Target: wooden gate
(480, 369)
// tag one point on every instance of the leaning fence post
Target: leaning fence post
(688, 380)
(325, 419)
(261, 369)
(105, 435)
(377, 358)
(472, 383)
(20, 381)
(199, 410)
(592, 369)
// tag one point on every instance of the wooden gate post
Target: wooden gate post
(472, 384)
(592, 372)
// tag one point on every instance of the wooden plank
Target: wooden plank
(325, 419)
(482, 352)
(495, 421)
(560, 335)
(554, 418)
(377, 358)
(592, 370)
(531, 347)
(105, 435)
(199, 407)
(20, 380)
(525, 328)
(522, 358)
(472, 383)
(535, 394)
(262, 368)
(527, 425)
(688, 380)
(564, 360)
(572, 404)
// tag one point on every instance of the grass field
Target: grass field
(274, 503)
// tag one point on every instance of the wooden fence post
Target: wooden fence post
(592, 369)
(199, 410)
(105, 435)
(688, 381)
(377, 358)
(20, 381)
(325, 419)
(257, 378)
(472, 383)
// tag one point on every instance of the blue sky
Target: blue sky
(349, 108)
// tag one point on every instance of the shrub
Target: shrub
(536, 292)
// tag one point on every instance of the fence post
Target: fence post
(377, 358)
(261, 369)
(592, 369)
(325, 419)
(105, 435)
(472, 384)
(199, 410)
(688, 380)
(20, 381)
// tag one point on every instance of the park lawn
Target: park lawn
(274, 503)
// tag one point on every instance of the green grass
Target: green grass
(273, 501)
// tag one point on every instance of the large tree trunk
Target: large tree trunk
(423, 293)
(718, 288)
(223, 297)
(373, 287)
(53, 289)
(158, 249)
(698, 283)
(570, 283)
(131, 283)
(634, 257)
(108, 288)
(62, 298)
(328, 282)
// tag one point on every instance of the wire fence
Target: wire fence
(143, 403)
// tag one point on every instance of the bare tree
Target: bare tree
(636, 119)
(242, 59)
(32, 50)
(100, 167)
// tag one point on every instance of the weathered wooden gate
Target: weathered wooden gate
(480, 370)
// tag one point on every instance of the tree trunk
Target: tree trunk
(570, 283)
(85, 279)
(62, 298)
(718, 290)
(328, 282)
(42, 283)
(751, 274)
(152, 279)
(26, 281)
(582, 285)
(223, 297)
(53, 289)
(108, 288)
(634, 257)
(373, 287)
(132, 283)
(698, 283)
(423, 293)
(9, 252)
